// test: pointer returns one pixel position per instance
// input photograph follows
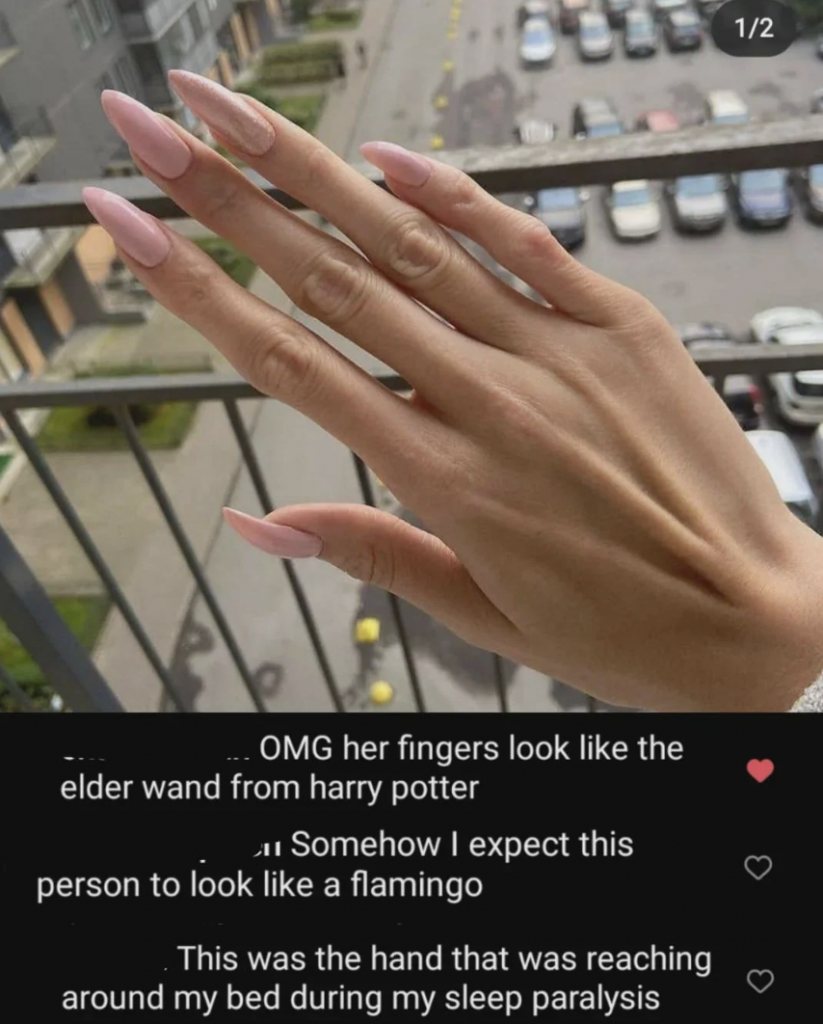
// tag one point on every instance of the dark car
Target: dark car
(762, 199)
(568, 15)
(698, 202)
(640, 34)
(616, 10)
(683, 30)
(740, 393)
(563, 212)
(595, 119)
(809, 182)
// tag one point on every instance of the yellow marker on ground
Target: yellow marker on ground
(381, 693)
(441, 102)
(448, 65)
(437, 142)
(451, 35)
(367, 631)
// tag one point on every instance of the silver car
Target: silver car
(633, 209)
(537, 43)
(779, 456)
(595, 39)
(799, 396)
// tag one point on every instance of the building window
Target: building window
(80, 25)
(106, 81)
(101, 13)
(181, 37)
(125, 76)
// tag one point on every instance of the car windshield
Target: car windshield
(816, 174)
(762, 181)
(698, 185)
(686, 20)
(606, 128)
(631, 197)
(598, 30)
(557, 199)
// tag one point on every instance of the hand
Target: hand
(595, 511)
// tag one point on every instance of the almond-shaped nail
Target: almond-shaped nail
(147, 134)
(409, 168)
(282, 541)
(137, 234)
(225, 112)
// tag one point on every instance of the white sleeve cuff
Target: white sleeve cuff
(812, 699)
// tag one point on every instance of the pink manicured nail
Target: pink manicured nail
(226, 113)
(282, 541)
(137, 234)
(147, 135)
(410, 168)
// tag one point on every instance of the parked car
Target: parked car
(819, 45)
(640, 34)
(533, 9)
(798, 396)
(633, 209)
(683, 30)
(762, 199)
(595, 118)
(562, 211)
(532, 132)
(568, 15)
(707, 8)
(595, 40)
(724, 106)
(660, 8)
(537, 43)
(616, 11)
(785, 467)
(740, 392)
(809, 182)
(817, 101)
(658, 121)
(698, 202)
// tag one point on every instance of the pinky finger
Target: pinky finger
(273, 352)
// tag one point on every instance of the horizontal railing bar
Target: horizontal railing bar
(178, 387)
(793, 142)
(719, 360)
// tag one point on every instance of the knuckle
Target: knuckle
(318, 168)
(416, 250)
(371, 564)
(464, 194)
(536, 240)
(285, 363)
(335, 286)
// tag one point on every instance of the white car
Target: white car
(634, 209)
(779, 456)
(799, 396)
(660, 8)
(595, 40)
(537, 43)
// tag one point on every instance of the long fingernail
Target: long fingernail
(137, 234)
(228, 114)
(282, 541)
(147, 135)
(409, 168)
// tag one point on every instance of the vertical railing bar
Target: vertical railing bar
(500, 683)
(265, 499)
(368, 497)
(126, 423)
(92, 552)
(15, 690)
(591, 704)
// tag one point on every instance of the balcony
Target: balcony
(156, 660)
(8, 44)
(39, 262)
(24, 147)
(153, 21)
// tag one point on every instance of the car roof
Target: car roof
(800, 334)
(705, 331)
(535, 132)
(780, 457)
(596, 106)
(592, 18)
(662, 120)
(630, 186)
(726, 99)
(684, 17)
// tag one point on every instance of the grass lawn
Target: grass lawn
(332, 22)
(235, 263)
(85, 617)
(305, 111)
(4, 461)
(68, 430)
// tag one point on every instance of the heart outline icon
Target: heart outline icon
(758, 873)
(760, 981)
(760, 770)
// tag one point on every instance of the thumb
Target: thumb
(378, 548)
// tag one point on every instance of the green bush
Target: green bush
(810, 11)
(304, 111)
(297, 74)
(73, 429)
(299, 53)
(85, 617)
(332, 20)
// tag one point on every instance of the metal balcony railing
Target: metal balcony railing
(8, 44)
(37, 264)
(23, 145)
(24, 606)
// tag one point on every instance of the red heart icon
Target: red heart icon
(760, 770)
